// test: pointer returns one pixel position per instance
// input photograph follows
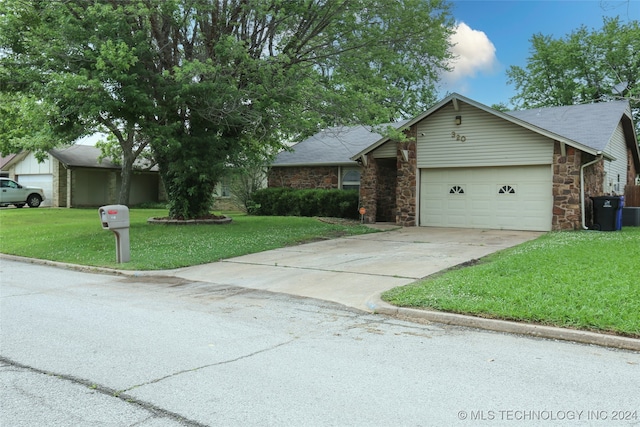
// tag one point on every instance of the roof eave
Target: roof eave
(16, 159)
(629, 129)
(287, 165)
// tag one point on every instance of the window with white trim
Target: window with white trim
(350, 179)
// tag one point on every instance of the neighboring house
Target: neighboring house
(73, 177)
(472, 166)
(3, 161)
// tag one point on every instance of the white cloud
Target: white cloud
(474, 53)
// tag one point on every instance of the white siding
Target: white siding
(31, 173)
(30, 166)
(385, 151)
(615, 178)
(481, 140)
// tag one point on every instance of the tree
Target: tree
(585, 66)
(24, 125)
(501, 107)
(204, 82)
(247, 177)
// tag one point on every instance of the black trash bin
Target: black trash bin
(607, 213)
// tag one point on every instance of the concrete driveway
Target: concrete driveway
(353, 270)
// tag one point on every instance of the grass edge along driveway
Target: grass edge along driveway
(580, 279)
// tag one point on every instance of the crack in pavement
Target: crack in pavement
(224, 362)
(108, 391)
(122, 394)
(328, 270)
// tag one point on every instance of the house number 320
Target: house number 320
(458, 137)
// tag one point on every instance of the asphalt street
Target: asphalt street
(82, 349)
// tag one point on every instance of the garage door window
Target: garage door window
(456, 189)
(507, 189)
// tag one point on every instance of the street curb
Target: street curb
(378, 306)
(85, 268)
(540, 331)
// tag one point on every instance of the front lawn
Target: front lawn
(76, 236)
(584, 280)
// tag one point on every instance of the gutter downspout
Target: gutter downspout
(598, 158)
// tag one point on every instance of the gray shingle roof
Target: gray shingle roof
(87, 156)
(82, 156)
(6, 159)
(592, 125)
(332, 146)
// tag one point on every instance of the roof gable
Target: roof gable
(4, 160)
(587, 127)
(86, 156)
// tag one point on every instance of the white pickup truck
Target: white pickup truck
(12, 193)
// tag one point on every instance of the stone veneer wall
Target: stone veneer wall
(566, 187)
(59, 184)
(304, 177)
(368, 189)
(406, 185)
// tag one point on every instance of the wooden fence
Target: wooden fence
(632, 195)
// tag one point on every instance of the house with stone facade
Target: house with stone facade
(468, 165)
(75, 177)
(324, 159)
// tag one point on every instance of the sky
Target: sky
(494, 35)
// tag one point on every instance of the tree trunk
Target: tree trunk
(126, 175)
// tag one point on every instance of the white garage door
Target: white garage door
(511, 198)
(44, 181)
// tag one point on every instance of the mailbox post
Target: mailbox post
(116, 219)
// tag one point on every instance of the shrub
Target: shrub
(280, 201)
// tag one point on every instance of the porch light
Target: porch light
(458, 120)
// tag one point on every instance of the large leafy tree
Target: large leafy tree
(585, 66)
(204, 82)
(64, 79)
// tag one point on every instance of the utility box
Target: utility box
(116, 219)
(631, 217)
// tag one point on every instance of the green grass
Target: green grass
(583, 280)
(76, 236)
